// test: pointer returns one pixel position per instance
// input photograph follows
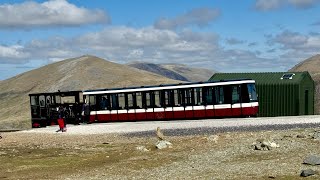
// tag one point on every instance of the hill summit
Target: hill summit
(312, 65)
(81, 73)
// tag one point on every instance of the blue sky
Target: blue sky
(227, 36)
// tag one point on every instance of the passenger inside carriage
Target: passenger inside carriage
(103, 103)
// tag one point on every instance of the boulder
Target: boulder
(163, 144)
(312, 160)
(264, 145)
(307, 172)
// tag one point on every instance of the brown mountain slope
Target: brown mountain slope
(82, 73)
(175, 71)
(312, 65)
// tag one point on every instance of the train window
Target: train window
(188, 97)
(139, 100)
(131, 100)
(157, 99)
(58, 99)
(42, 100)
(150, 99)
(208, 95)
(219, 95)
(48, 100)
(197, 96)
(92, 100)
(114, 101)
(252, 92)
(68, 99)
(144, 100)
(34, 100)
(235, 94)
(168, 98)
(176, 98)
(181, 97)
(122, 103)
(104, 102)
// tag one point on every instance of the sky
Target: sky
(221, 35)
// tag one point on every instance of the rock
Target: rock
(142, 148)
(264, 145)
(316, 135)
(301, 136)
(274, 145)
(312, 160)
(213, 138)
(163, 144)
(308, 172)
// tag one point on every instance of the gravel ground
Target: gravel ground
(202, 149)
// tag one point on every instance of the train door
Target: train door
(222, 107)
(122, 107)
(114, 106)
(149, 105)
(208, 100)
(188, 102)
(178, 109)
(199, 108)
(140, 111)
(159, 112)
(235, 101)
(131, 105)
(168, 103)
(35, 108)
(43, 108)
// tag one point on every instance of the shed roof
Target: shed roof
(265, 77)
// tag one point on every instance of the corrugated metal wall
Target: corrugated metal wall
(279, 97)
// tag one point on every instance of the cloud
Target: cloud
(124, 44)
(12, 54)
(296, 41)
(200, 17)
(294, 46)
(53, 13)
(267, 5)
(234, 41)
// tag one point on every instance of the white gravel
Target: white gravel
(136, 127)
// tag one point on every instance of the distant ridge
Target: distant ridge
(175, 71)
(157, 69)
(80, 73)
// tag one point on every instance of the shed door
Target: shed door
(306, 102)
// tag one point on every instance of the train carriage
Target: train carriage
(232, 98)
(44, 106)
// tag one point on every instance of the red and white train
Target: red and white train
(232, 98)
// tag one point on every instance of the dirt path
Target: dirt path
(110, 156)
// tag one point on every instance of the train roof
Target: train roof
(65, 93)
(166, 86)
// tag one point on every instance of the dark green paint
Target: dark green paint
(279, 97)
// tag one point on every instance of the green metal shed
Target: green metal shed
(279, 93)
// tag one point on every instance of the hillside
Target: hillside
(85, 72)
(175, 71)
(312, 65)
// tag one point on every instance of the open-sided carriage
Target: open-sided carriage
(45, 106)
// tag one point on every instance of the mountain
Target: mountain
(175, 71)
(81, 73)
(312, 65)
